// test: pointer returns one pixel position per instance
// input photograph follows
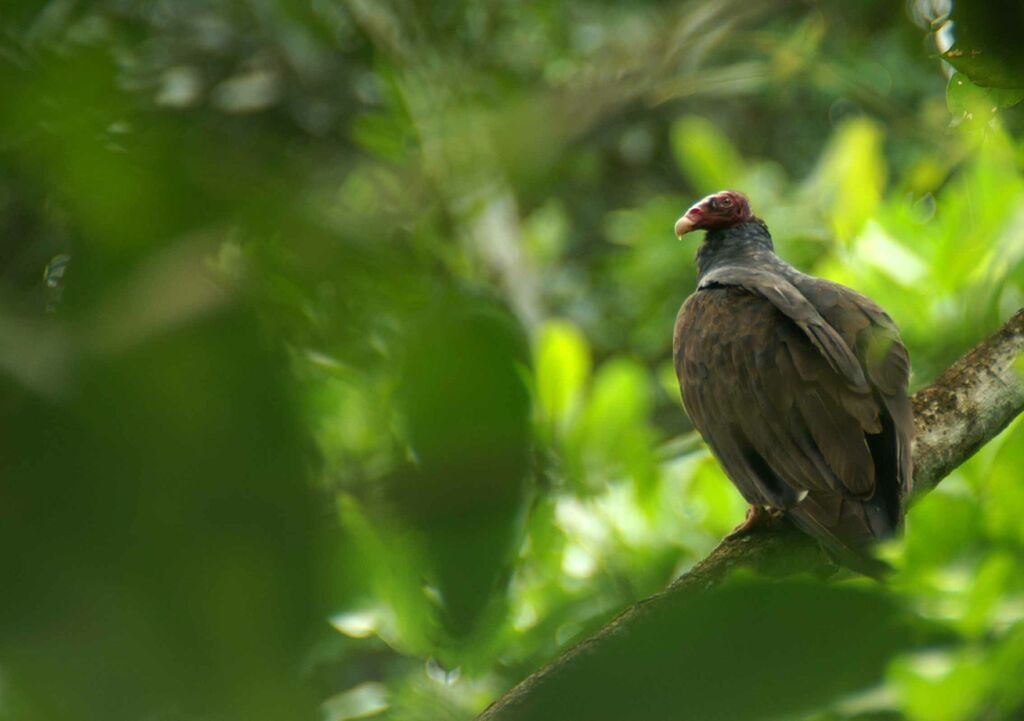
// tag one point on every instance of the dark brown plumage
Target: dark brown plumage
(797, 384)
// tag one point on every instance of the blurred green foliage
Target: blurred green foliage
(354, 398)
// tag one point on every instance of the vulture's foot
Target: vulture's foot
(756, 516)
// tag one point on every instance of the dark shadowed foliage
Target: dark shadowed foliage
(717, 656)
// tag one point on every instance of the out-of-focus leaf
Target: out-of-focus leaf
(466, 410)
(348, 417)
(988, 588)
(562, 361)
(800, 47)
(731, 653)
(712, 500)
(642, 227)
(384, 135)
(367, 699)
(545, 231)
(942, 686)
(1007, 667)
(1002, 518)
(942, 526)
(850, 176)
(649, 276)
(975, 106)
(887, 254)
(616, 419)
(706, 156)
(175, 538)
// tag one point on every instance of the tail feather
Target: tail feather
(848, 536)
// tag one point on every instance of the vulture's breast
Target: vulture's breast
(717, 324)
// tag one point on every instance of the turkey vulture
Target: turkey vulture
(797, 384)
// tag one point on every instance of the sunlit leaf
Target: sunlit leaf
(705, 155)
(975, 106)
(562, 360)
(851, 176)
(942, 685)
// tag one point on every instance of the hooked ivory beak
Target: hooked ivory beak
(685, 224)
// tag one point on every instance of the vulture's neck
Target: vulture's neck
(747, 244)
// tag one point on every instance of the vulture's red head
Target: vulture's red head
(723, 209)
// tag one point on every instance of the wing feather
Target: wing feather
(782, 294)
(869, 330)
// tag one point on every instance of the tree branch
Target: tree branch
(954, 416)
(969, 404)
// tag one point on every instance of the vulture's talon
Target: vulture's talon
(756, 516)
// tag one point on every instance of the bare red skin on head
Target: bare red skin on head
(723, 209)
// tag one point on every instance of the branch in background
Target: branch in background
(957, 414)
(969, 404)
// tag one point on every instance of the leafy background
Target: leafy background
(336, 347)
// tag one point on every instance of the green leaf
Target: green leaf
(704, 154)
(619, 403)
(941, 686)
(616, 419)
(851, 176)
(987, 45)
(941, 528)
(975, 106)
(713, 500)
(466, 413)
(731, 653)
(562, 359)
(545, 231)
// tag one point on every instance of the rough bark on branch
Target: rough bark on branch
(954, 416)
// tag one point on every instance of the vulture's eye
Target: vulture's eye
(726, 202)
